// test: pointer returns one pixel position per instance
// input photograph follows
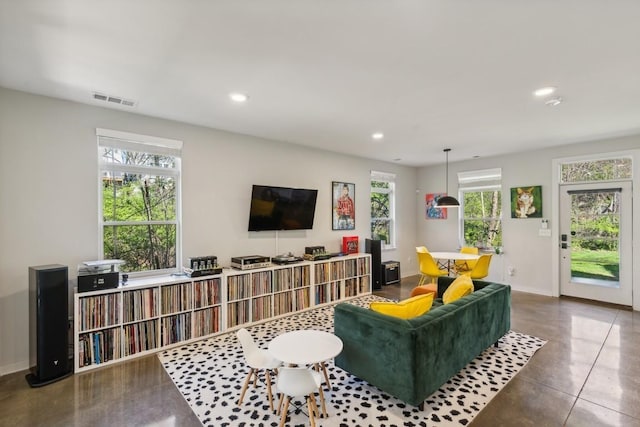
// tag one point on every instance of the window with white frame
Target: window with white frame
(481, 208)
(139, 196)
(383, 208)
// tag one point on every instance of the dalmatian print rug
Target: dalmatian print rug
(210, 373)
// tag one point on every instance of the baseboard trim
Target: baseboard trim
(14, 367)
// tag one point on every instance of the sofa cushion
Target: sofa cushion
(460, 287)
(407, 309)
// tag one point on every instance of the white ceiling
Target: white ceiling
(429, 74)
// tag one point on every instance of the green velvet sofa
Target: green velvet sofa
(411, 359)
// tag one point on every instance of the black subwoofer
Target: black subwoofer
(48, 324)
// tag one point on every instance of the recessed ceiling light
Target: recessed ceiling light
(544, 91)
(377, 136)
(238, 97)
(397, 159)
(552, 102)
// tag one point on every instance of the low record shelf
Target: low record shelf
(155, 313)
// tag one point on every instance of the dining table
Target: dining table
(447, 259)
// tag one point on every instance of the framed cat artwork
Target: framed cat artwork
(526, 202)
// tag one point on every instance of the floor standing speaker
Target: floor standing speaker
(48, 324)
(374, 247)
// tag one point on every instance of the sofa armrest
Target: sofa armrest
(379, 349)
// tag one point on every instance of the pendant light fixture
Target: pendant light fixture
(447, 201)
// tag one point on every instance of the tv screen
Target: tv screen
(281, 208)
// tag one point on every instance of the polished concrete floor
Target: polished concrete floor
(588, 374)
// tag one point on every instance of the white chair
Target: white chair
(257, 359)
(300, 382)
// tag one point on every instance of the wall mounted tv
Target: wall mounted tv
(281, 208)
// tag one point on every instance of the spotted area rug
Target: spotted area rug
(210, 373)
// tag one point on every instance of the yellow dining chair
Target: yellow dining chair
(429, 267)
(421, 249)
(462, 266)
(481, 269)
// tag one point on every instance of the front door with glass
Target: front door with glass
(595, 241)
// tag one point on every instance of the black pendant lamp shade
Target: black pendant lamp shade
(447, 201)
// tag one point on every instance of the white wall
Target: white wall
(48, 196)
(531, 256)
(49, 207)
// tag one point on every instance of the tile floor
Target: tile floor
(588, 374)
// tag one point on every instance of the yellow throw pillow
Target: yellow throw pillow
(460, 287)
(407, 309)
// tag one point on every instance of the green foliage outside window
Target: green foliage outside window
(595, 221)
(597, 170)
(381, 221)
(139, 209)
(482, 218)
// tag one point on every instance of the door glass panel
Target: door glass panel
(595, 238)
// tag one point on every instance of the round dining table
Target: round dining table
(448, 259)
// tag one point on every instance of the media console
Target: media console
(155, 313)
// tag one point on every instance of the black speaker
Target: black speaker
(48, 324)
(374, 247)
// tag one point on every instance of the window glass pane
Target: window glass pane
(143, 247)
(481, 224)
(597, 170)
(482, 204)
(129, 157)
(381, 230)
(595, 236)
(483, 233)
(382, 211)
(379, 184)
(380, 205)
(136, 197)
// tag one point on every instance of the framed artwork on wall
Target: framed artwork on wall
(431, 212)
(343, 197)
(526, 202)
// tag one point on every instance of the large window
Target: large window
(481, 208)
(139, 193)
(383, 208)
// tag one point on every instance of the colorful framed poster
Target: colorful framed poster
(343, 196)
(431, 212)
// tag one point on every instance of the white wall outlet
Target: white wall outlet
(511, 271)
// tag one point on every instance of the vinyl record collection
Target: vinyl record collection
(99, 311)
(99, 347)
(140, 304)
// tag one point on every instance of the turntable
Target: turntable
(286, 259)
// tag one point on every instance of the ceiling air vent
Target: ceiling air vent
(114, 99)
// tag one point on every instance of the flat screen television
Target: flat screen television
(281, 208)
